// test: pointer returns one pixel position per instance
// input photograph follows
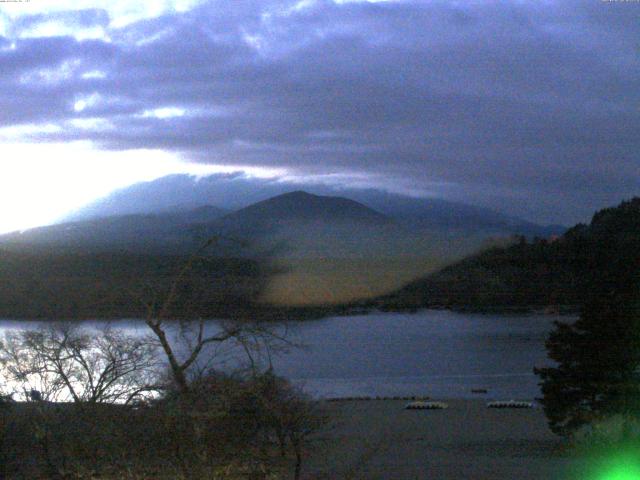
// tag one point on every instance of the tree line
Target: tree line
(596, 375)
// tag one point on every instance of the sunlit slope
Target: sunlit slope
(334, 281)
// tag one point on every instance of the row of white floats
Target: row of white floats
(419, 405)
(360, 399)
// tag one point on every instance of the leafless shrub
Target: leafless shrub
(64, 362)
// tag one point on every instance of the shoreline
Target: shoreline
(284, 314)
(381, 440)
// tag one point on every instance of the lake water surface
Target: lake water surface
(431, 352)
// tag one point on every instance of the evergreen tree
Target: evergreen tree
(597, 370)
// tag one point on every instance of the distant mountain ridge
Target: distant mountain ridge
(233, 192)
(289, 215)
(320, 225)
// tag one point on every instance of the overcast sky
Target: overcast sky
(529, 107)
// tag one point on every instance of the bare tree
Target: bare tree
(24, 373)
(291, 414)
(194, 350)
(184, 350)
(63, 362)
(67, 363)
(178, 365)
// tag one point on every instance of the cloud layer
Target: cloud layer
(525, 106)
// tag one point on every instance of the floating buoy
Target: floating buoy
(509, 404)
(420, 405)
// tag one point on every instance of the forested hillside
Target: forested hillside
(544, 273)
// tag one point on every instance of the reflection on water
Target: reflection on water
(436, 353)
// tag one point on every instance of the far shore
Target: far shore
(278, 314)
(381, 440)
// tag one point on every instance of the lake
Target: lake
(432, 352)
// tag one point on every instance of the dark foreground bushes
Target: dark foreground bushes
(222, 427)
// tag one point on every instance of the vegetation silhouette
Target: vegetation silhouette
(597, 372)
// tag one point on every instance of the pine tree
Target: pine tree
(597, 370)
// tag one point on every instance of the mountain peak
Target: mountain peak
(297, 193)
(303, 206)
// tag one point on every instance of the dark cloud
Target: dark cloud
(529, 107)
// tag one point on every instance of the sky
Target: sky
(528, 107)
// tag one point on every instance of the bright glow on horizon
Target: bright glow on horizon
(44, 182)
